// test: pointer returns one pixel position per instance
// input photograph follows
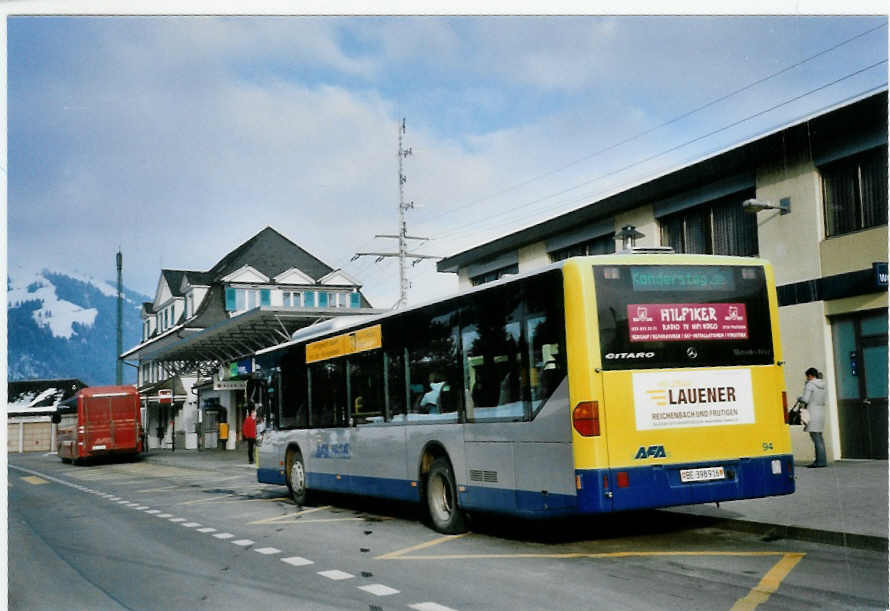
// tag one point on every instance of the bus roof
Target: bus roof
(343, 323)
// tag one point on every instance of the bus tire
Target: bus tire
(441, 499)
(296, 479)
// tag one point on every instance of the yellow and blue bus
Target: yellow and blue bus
(596, 384)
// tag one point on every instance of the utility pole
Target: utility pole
(118, 370)
(402, 236)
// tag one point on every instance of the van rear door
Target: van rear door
(97, 424)
(124, 422)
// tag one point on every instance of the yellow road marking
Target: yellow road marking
(33, 479)
(401, 552)
(289, 517)
(769, 584)
(572, 555)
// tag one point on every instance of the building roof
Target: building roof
(198, 278)
(40, 396)
(270, 253)
(834, 128)
(174, 280)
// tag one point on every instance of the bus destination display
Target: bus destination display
(667, 322)
(699, 278)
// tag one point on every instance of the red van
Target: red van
(99, 421)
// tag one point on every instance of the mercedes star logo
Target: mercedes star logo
(692, 353)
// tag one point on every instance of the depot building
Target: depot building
(819, 215)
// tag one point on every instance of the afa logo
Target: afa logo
(651, 452)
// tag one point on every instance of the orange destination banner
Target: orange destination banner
(341, 345)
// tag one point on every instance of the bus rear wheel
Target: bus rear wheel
(296, 479)
(441, 499)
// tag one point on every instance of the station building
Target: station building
(195, 360)
(825, 178)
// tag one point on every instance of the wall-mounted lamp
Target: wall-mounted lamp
(628, 236)
(756, 205)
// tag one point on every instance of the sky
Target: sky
(176, 139)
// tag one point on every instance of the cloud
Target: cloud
(179, 138)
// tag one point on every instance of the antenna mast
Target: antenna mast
(402, 236)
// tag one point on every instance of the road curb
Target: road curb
(799, 533)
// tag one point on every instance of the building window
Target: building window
(719, 227)
(603, 245)
(292, 298)
(495, 274)
(309, 299)
(854, 192)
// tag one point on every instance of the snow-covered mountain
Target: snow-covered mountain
(63, 325)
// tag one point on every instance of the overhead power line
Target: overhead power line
(643, 160)
(661, 125)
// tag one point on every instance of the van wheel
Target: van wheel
(441, 499)
(296, 478)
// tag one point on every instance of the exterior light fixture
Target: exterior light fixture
(628, 236)
(756, 205)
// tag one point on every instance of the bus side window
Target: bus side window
(545, 337)
(435, 369)
(545, 358)
(366, 387)
(328, 394)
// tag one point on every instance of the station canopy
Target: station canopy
(239, 337)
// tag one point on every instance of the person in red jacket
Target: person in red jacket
(248, 431)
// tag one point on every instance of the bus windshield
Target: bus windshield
(659, 316)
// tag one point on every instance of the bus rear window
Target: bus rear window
(653, 316)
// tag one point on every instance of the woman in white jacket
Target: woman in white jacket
(814, 398)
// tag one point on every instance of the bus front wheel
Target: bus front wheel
(441, 499)
(296, 479)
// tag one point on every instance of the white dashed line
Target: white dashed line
(123, 502)
(268, 550)
(153, 511)
(224, 535)
(243, 542)
(164, 515)
(207, 530)
(141, 507)
(191, 524)
(378, 589)
(336, 575)
(113, 498)
(177, 519)
(429, 607)
(297, 561)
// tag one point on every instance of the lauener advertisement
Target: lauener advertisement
(695, 398)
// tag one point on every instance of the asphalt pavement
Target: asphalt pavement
(845, 503)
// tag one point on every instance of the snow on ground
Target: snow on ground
(56, 314)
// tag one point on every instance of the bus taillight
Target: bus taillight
(785, 405)
(586, 418)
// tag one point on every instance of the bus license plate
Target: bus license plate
(702, 475)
